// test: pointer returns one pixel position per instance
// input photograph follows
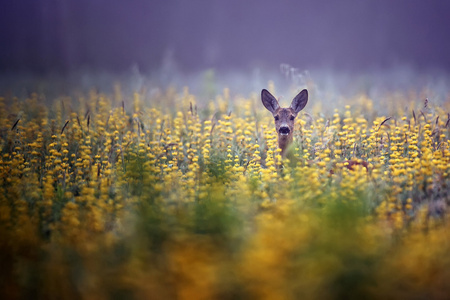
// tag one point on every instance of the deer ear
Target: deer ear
(300, 101)
(269, 101)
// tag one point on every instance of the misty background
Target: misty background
(43, 36)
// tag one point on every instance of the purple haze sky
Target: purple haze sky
(64, 35)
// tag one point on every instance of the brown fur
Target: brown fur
(284, 117)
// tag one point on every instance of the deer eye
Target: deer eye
(292, 118)
(277, 118)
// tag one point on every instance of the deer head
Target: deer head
(284, 117)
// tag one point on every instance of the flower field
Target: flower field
(163, 196)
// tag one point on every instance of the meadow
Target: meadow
(162, 196)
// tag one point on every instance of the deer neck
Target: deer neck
(284, 141)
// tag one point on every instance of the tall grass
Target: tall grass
(161, 197)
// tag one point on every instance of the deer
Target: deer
(284, 117)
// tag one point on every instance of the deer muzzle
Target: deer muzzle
(284, 130)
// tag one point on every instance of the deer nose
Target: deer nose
(284, 130)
